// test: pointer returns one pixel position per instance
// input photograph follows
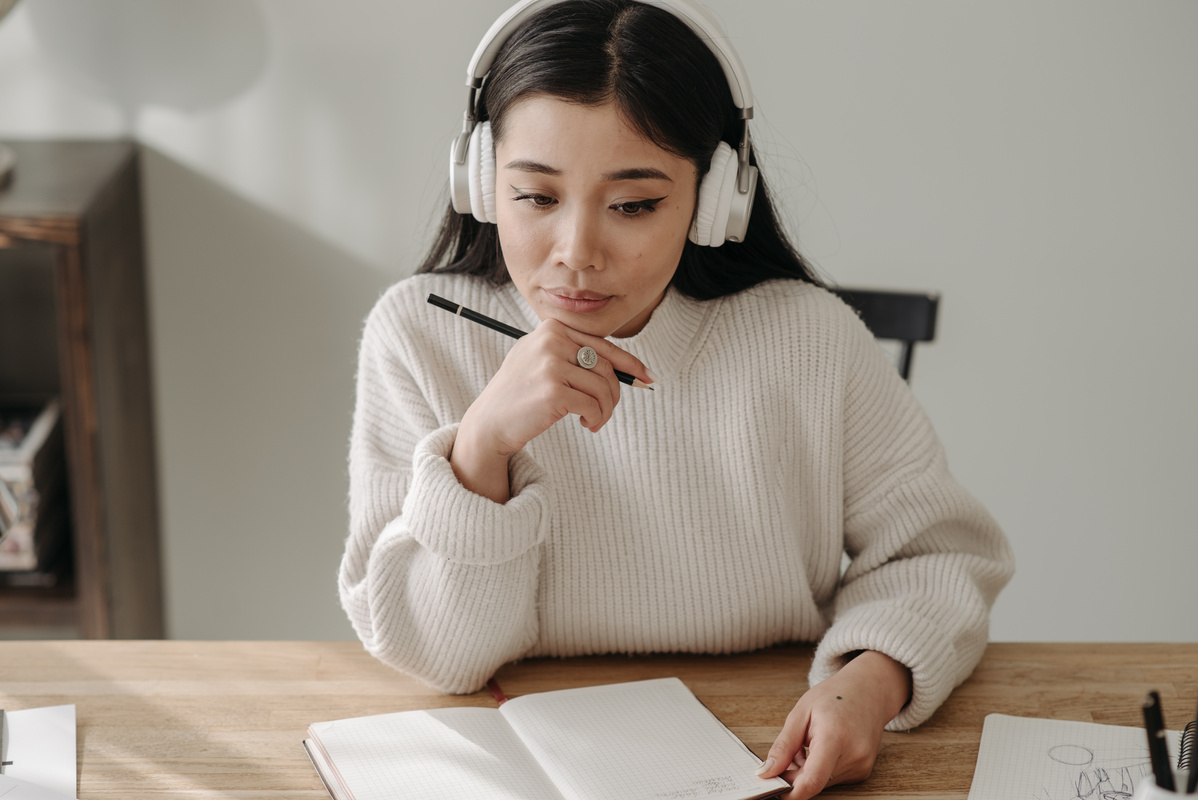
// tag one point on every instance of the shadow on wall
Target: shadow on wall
(139, 52)
(256, 324)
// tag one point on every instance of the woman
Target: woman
(708, 515)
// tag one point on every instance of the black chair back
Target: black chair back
(905, 317)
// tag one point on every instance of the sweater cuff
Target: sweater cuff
(909, 639)
(461, 526)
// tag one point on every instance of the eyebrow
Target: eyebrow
(630, 174)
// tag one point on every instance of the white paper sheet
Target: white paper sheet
(1049, 759)
(13, 789)
(41, 748)
(441, 753)
(601, 734)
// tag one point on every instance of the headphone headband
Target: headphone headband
(699, 19)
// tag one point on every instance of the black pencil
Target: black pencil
(1154, 723)
(515, 333)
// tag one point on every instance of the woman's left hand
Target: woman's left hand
(833, 733)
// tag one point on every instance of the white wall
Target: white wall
(1033, 162)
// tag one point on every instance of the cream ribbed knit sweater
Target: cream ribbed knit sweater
(707, 516)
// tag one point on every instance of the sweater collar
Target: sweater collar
(672, 335)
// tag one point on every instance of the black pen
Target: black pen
(515, 333)
(1158, 751)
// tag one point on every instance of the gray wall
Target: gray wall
(1033, 162)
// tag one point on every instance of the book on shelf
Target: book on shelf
(34, 518)
(622, 741)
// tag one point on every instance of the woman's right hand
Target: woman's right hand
(539, 382)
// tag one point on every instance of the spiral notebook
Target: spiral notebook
(645, 739)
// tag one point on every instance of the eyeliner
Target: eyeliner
(515, 333)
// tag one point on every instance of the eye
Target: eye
(638, 208)
(538, 200)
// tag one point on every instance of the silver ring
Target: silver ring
(587, 357)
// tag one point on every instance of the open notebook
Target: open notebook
(623, 741)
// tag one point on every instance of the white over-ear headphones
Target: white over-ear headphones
(726, 194)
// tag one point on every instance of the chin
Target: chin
(592, 324)
(593, 327)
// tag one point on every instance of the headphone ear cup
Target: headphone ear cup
(486, 171)
(480, 158)
(459, 177)
(715, 199)
(742, 208)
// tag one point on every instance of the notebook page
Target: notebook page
(645, 739)
(447, 752)
(1048, 759)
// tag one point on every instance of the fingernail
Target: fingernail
(766, 766)
(651, 374)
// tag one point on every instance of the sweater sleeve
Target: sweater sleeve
(927, 559)
(437, 581)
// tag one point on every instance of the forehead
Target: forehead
(574, 137)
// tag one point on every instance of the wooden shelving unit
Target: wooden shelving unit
(73, 209)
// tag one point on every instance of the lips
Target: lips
(579, 300)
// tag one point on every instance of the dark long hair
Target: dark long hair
(669, 86)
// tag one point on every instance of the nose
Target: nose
(579, 241)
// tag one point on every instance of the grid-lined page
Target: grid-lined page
(1048, 759)
(447, 752)
(645, 739)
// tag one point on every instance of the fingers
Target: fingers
(619, 358)
(808, 772)
(815, 775)
(593, 399)
(598, 382)
(789, 747)
(830, 738)
(541, 381)
(596, 391)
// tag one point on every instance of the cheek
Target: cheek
(646, 241)
(517, 240)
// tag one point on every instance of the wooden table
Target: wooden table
(160, 719)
